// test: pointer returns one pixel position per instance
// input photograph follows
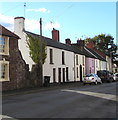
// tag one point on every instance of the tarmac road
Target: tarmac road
(89, 101)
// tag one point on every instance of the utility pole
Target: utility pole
(40, 26)
(41, 65)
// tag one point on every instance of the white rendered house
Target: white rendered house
(60, 61)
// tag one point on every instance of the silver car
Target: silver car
(115, 76)
(92, 78)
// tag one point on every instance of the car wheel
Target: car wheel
(95, 82)
(84, 83)
(100, 82)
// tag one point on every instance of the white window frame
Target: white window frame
(6, 50)
(6, 71)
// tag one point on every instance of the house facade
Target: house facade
(13, 69)
(59, 64)
(100, 61)
(89, 57)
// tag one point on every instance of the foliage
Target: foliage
(103, 43)
(37, 48)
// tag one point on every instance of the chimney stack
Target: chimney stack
(68, 41)
(55, 35)
(81, 44)
(90, 44)
(19, 24)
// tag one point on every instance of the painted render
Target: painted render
(90, 65)
(47, 67)
(81, 62)
(57, 63)
(19, 27)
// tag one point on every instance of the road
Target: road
(89, 101)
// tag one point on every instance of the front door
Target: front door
(63, 74)
(67, 78)
(81, 73)
(59, 75)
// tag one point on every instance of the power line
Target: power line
(62, 13)
(11, 9)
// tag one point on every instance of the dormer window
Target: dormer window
(4, 45)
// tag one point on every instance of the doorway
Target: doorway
(64, 75)
(67, 78)
(59, 75)
(81, 73)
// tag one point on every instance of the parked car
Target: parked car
(105, 75)
(115, 76)
(92, 78)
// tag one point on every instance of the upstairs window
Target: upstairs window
(63, 58)
(83, 59)
(76, 59)
(51, 56)
(4, 45)
(4, 71)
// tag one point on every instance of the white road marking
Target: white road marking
(100, 95)
(5, 116)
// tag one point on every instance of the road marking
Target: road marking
(100, 95)
(5, 116)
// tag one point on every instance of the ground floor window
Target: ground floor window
(4, 71)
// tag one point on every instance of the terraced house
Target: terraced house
(65, 62)
(13, 69)
(60, 61)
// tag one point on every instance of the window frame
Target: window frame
(77, 60)
(6, 71)
(6, 45)
(51, 55)
(63, 58)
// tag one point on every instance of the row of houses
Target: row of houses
(65, 62)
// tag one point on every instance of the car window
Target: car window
(117, 75)
(89, 75)
(96, 75)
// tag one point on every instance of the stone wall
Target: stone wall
(18, 69)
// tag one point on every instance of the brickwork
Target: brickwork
(55, 35)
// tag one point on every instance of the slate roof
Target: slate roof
(73, 48)
(84, 51)
(6, 32)
(57, 44)
(96, 54)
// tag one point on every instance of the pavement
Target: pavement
(39, 89)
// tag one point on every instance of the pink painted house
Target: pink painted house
(90, 65)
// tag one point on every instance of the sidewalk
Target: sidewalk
(39, 89)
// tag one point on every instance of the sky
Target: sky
(74, 20)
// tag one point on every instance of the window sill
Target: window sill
(51, 63)
(3, 53)
(4, 80)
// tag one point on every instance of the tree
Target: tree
(37, 51)
(104, 43)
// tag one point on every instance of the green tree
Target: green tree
(104, 43)
(37, 51)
